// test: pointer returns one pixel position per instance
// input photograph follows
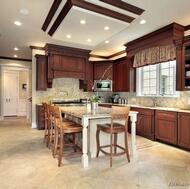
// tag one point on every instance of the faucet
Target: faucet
(154, 101)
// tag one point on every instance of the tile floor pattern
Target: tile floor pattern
(25, 163)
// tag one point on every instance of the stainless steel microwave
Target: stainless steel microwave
(103, 85)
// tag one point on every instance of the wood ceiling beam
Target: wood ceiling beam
(88, 6)
(187, 27)
(61, 16)
(101, 10)
(51, 13)
(125, 6)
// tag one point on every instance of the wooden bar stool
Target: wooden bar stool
(46, 133)
(118, 113)
(65, 135)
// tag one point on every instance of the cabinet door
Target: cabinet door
(186, 50)
(40, 117)
(103, 70)
(88, 84)
(145, 122)
(184, 130)
(123, 76)
(116, 77)
(166, 126)
(41, 72)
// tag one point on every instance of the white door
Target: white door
(10, 86)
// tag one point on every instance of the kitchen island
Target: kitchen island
(89, 119)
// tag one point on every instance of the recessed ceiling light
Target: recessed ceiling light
(106, 28)
(24, 11)
(68, 36)
(106, 41)
(142, 22)
(15, 55)
(83, 22)
(89, 40)
(16, 49)
(17, 23)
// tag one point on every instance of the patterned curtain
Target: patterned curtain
(155, 55)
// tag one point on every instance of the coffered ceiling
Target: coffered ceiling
(58, 22)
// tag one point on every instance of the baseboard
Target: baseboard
(34, 126)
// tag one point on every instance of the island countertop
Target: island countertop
(82, 112)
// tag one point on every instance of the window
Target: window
(157, 80)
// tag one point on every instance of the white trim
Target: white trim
(34, 126)
(14, 68)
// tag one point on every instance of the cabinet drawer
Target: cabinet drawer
(166, 114)
(143, 111)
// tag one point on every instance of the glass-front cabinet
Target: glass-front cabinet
(187, 65)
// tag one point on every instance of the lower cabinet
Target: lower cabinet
(145, 122)
(184, 130)
(166, 126)
(40, 117)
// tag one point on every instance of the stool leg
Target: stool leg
(55, 146)
(115, 143)
(98, 142)
(61, 148)
(111, 146)
(126, 146)
(75, 138)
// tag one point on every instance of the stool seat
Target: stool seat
(117, 127)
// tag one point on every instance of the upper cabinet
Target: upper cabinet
(183, 63)
(87, 84)
(186, 50)
(103, 70)
(123, 76)
(41, 72)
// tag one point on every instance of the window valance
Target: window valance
(155, 55)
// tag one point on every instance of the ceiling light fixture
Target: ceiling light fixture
(24, 11)
(106, 41)
(15, 55)
(17, 23)
(89, 40)
(16, 49)
(142, 22)
(68, 36)
(106, 28)
(83, 22)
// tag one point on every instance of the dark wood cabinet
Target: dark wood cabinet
(183, 63)
(123, 76)
(41, 72)
(66, 62)
(40, 117)
(88, 84)
(145, 122)
(166, 126)
(186, 61)
(184, 130)
(103, 70)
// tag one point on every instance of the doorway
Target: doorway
(15, 93)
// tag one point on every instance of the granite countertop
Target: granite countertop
(81, 112)
(153, 107)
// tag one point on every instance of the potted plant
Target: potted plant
(94, 102)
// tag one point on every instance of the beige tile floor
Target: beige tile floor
(25, 163)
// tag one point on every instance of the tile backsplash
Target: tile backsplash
(68, 89)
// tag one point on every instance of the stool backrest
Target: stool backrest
(120, 113)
